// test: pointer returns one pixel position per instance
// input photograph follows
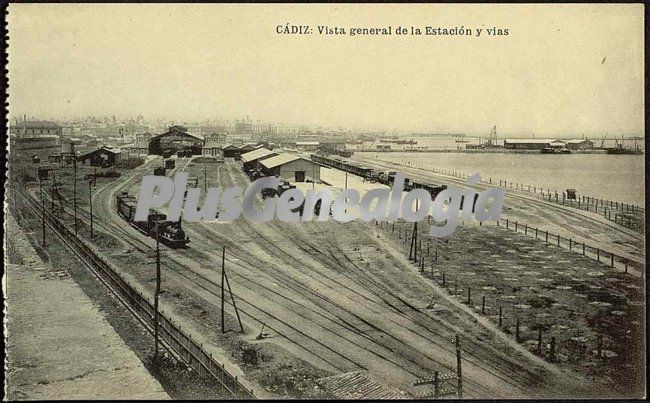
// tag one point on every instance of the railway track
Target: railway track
(179, 267)
(298, 241)
(632, 238)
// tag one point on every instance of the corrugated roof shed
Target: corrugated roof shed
(256, 154)
(280, 160)
(357, 385)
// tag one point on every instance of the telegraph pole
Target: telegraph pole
(42, 211)
(90, 193)
(157, 294)
(459, 371)
(52, 191)
(413, 251)
(74, 200)
(223, 276)
(205, 177)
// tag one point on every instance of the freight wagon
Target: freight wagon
(433, 189)
(160, 171)
(346, 166)
(170, 164)
(169, 233)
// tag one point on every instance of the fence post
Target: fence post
(612, 264)
(598, 253)
(552, 352)
(583, 249)
(500, 316)
(517, 331)
(539, 343)
(570, 244)
(483, 305)
(546, 236)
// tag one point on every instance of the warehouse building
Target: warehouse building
(35, 128)
(175, 139)
(100, 157)
(236, 151)
(526, 144)
(253, 158)
(579, 144)
(290, 167)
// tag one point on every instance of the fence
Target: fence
(178, 340)
(610, 258)
(511, 323)
(586, 203)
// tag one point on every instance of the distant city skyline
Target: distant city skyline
(565, 70)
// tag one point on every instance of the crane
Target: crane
(602, 143)
(492, 141)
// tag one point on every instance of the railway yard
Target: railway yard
(320, 299)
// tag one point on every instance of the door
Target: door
(300, 176)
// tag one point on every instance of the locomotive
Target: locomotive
(170, 233)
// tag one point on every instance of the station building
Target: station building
(290, 167)
(213, 145)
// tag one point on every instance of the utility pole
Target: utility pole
(91, 183)
(157, 294)
(205, 177)
(52, 191)
(223, 276)
(74, 191)
(42, 211)
(413, 252)
(459, 370)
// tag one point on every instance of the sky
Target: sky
(563, 69)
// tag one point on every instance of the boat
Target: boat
(461, 139)
(555, 150)
(406, 141)
(620, 149)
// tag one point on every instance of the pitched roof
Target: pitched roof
(257, 154)
(86, 152)
(281, 160)
(529, 141)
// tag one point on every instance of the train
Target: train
(370, 174)
(170, 233)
